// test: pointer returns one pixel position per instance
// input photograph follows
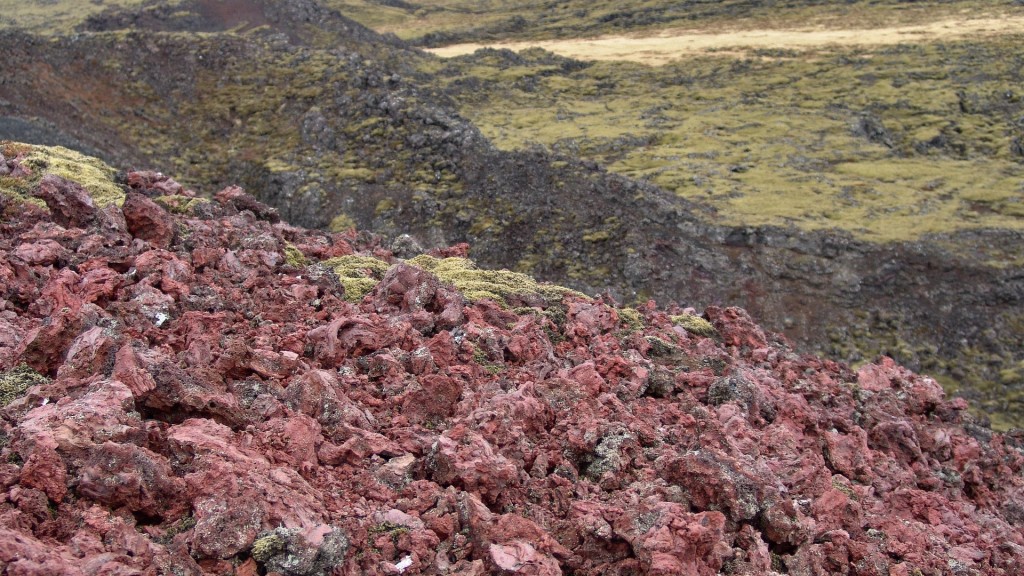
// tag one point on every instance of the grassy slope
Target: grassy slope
(889, 144)
(433, 21)
(56, 16)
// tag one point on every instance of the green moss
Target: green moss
(358, 274)
(845, 488)
(353, 173)
(632, 319)
(782, 141)
(181, 204)
(511, 20)
(481, 358)
(497, 285)
(384, 206)
(660, 347)
(16, 381)
(58, 16)
(181, 526)
(395, 531)
(356, 265)
(294, 257)
(96, 177)
(266, 547)
(695, 325)
(341, 223)
(599, 236)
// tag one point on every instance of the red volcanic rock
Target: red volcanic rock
(69, 203)
(210, 408)
(130, 477)
(147, 220)
(238, 199)
(155, 184)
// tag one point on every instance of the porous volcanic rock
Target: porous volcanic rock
(199, 395)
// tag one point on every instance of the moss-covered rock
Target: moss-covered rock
(498, 285)
(294, 257)
(16, 381)
(695, 325)
(341, 223)
(267, 546)
(181, 204)
(358, 274)
(93, 174)
(632, 319)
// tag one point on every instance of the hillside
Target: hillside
(192, 386)
(572, 172)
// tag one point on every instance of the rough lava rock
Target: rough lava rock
(182, 393)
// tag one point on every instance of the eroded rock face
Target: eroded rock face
(214, 405)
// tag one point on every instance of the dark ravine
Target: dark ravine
(317, 115)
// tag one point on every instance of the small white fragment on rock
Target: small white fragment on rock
(403, 564)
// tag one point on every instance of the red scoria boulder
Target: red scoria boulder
(210, 408)
(147, 220)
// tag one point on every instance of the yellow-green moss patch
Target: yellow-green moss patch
(498, 285)
(695, 325)
(92, 174)
(632, 319)
(341, 223)
(180, 204)
(267, 547)
(16, 381)
(358, 274)
(294, 257)
(886, 143)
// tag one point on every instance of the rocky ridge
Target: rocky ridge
(192, 386)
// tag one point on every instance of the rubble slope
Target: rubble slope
(192, 386)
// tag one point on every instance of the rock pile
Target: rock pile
(188, 388)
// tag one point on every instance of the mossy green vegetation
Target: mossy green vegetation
(481, 358)
(358, 274)
(632, 319)
(432, 21)
(16, 381)
(292, 116)
(267, 546)
(983, 370)
(57, 16)
(94, 175)
(181, 204)
(294, 257)
(498, 285)
(341, 223)
(889, 143)
(695, 325)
